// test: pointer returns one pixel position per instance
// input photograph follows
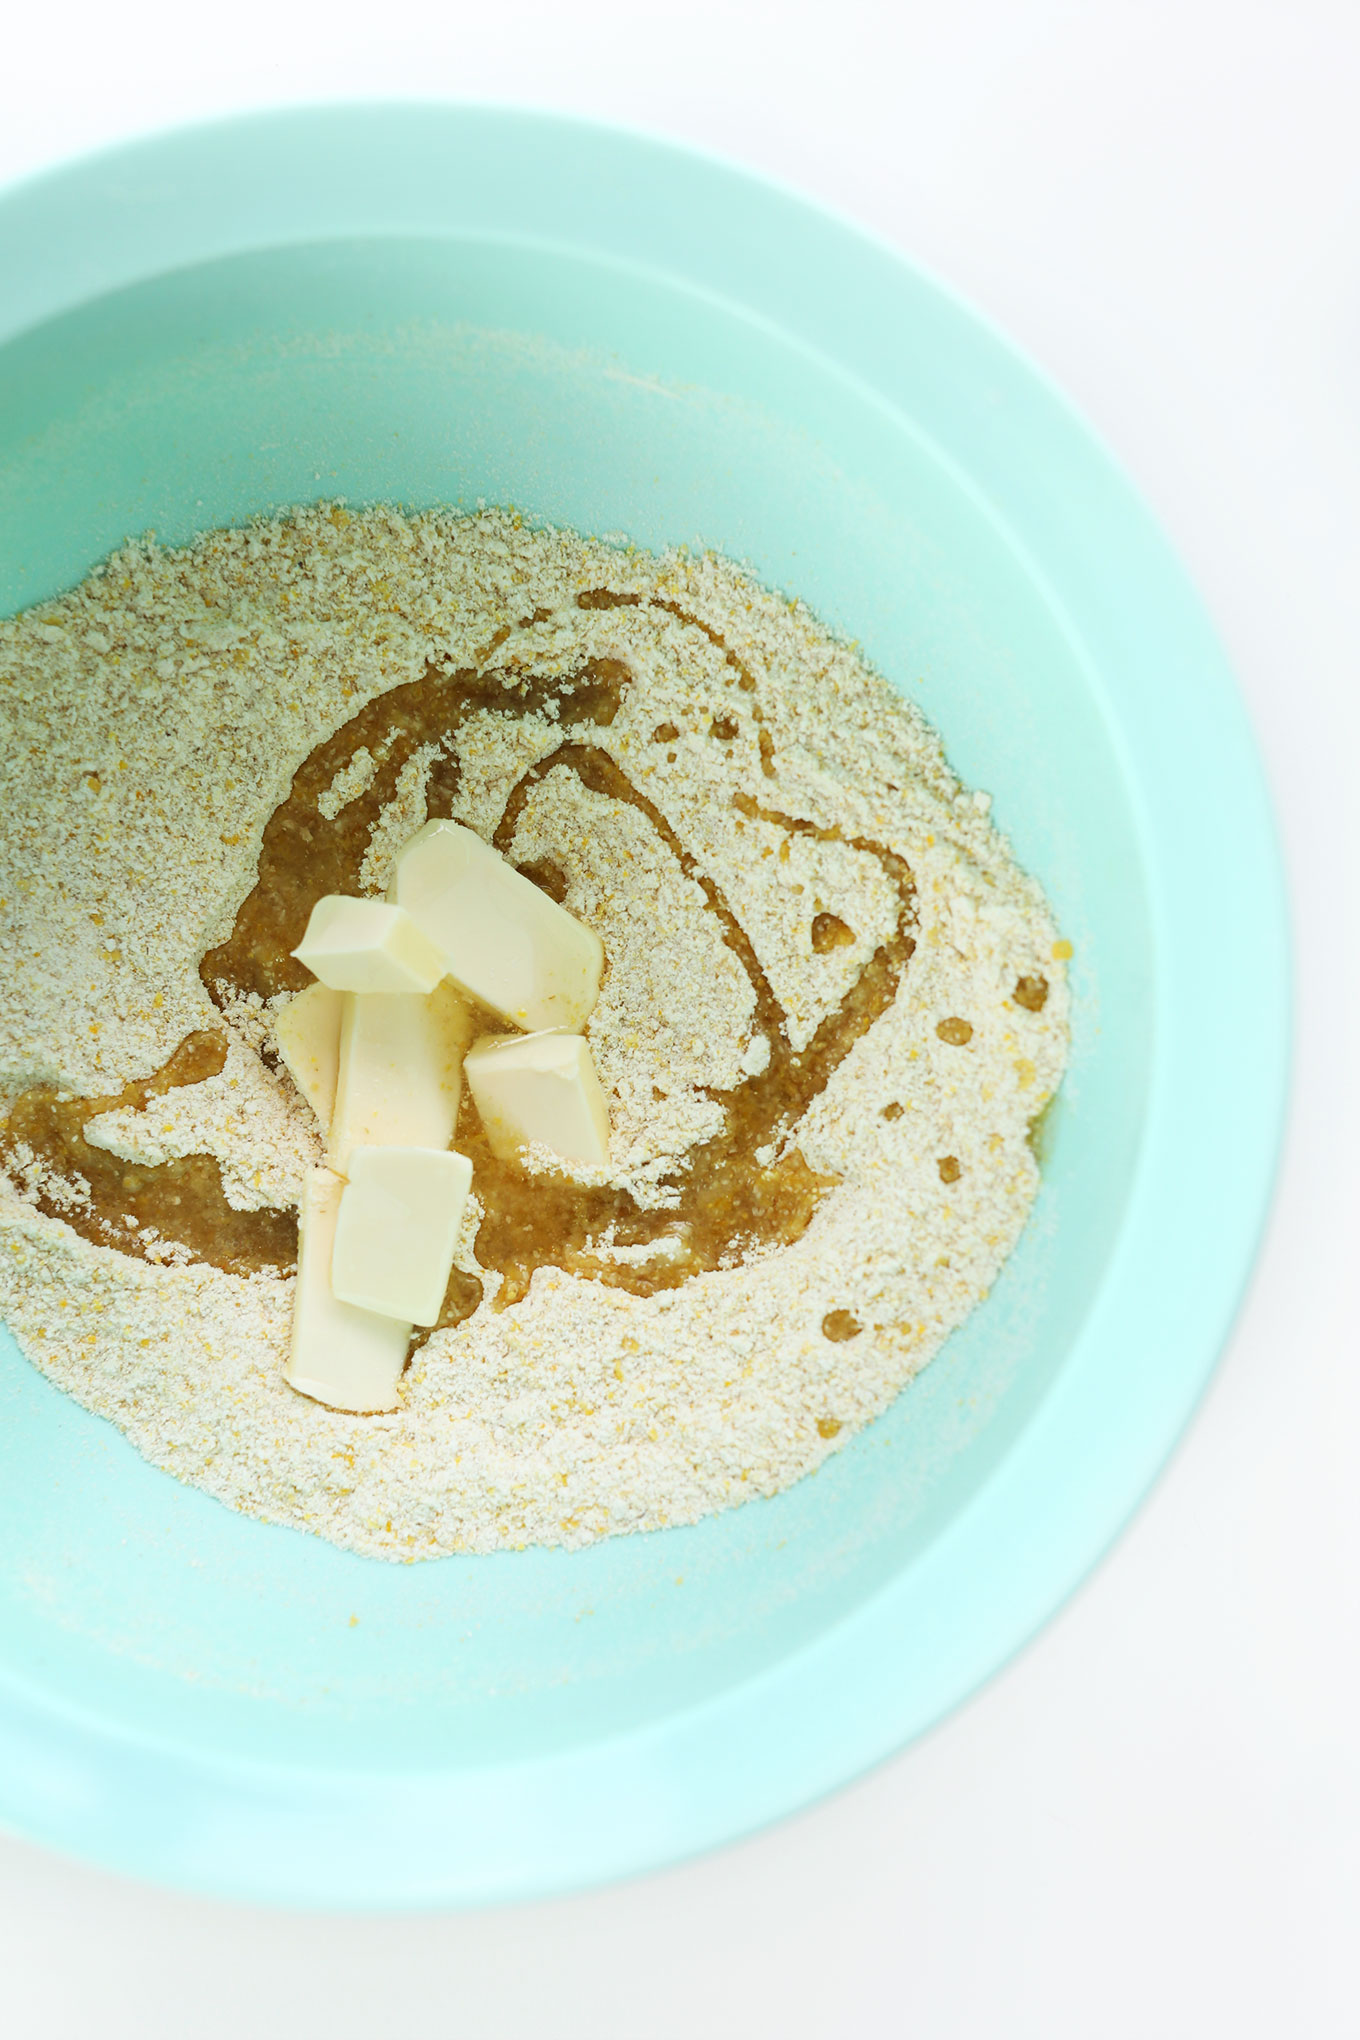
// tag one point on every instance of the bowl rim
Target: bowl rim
(903, 1659)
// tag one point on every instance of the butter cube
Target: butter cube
(543, 1088)
(307, 1036)
(400, 1079)
(503, 940)
(368, 946)
(399, 1220)
(347, 1358)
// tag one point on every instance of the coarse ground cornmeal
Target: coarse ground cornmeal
(833, 1007)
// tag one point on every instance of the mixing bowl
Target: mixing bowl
(458, 305)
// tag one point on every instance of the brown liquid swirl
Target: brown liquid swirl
(726, 1203)
(181, 1201)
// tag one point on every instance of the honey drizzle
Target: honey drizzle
(731, 1202)
(182, 1201)
(727, 1202)
(304, 856)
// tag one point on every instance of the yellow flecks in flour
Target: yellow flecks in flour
(151, 722)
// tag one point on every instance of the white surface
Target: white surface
(1147, 1827)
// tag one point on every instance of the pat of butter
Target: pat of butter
(398, 1226)
(348, 1359)
(400, 1079)
(503, 940)
(368, 946)
(539, 1088)
(307, 1036)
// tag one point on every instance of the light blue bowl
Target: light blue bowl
(449, 305)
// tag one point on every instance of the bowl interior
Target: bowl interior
(465, 371)
(456, 306)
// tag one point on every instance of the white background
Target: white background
(1149, 1826)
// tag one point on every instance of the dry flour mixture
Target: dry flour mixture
(833, 1007)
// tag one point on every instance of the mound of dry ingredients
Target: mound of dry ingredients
(817, 945)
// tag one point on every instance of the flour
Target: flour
(152, 722)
